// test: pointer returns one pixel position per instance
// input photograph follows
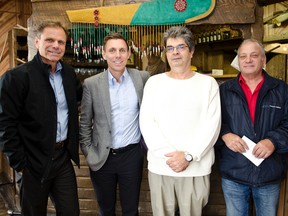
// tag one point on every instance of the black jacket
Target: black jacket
(271, 121)
(28, 115)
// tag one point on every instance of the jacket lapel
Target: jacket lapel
(138, 83)
(104, 87)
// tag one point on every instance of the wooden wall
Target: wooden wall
(274, 32)
(245, 14)
(12, 13)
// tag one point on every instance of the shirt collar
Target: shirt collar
(242, 81)
(58, 67)
(112, 80)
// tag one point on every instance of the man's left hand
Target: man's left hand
(177, 161)
(263, 149)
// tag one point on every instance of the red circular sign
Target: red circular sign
(180, 5)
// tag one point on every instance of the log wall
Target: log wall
(274, 32)
(12, 13)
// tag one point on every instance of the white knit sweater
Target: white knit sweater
(182, 115)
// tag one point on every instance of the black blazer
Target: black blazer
(28, 115)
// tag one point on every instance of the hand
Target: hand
(235, 143)
(263, 149)
(21, 172)
(177, 161)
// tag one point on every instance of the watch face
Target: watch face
(188, 157)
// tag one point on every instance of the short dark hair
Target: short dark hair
(180, 32)
(55, 24)
(114, 35)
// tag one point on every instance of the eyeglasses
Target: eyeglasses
(179, 48)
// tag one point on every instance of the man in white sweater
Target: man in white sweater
(180, 121)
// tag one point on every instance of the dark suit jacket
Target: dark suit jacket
(28, 115)
(95, 121)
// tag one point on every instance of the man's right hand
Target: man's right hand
(235, 143)
(21, 172)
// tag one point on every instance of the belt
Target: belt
(60, 145)
(123, 149)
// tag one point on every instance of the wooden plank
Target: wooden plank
(257, 27)
(281, 199)
(3, 2)
(82, 160)
(231, 12)
(4, 53)
(86, 193)
(1, 154)
(285, 209)
(213, 210)
(228, 12)
(88, 204)
(276, 66)
(87, 207)
(8, 6)
(35, 1)
(7, 22)
(12, 49)
(273, 32)
(281, 36)
(7, 192)
(82, 172)
(84, 182)
(12, 12)
(268, 2)
(24, 10)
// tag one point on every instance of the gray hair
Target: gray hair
(252, 41)
(180, 32)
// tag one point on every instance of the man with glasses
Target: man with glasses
(180, 122)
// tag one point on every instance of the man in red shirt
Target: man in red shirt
(254, 105)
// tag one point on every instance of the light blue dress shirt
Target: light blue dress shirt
(124, 111)
(62, 108)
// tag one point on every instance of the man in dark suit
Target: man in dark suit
(109, 129)
(39, 125)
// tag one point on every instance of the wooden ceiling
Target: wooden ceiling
(268, 2)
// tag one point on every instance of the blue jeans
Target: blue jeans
(237, 197)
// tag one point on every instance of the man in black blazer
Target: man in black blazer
(39, 125)
(109, 129)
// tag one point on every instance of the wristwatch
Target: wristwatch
(188, 157)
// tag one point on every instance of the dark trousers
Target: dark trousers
(125, 170)
(60, 184)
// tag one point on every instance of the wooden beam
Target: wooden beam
(268, 2)
(5, 62)
(276, 37)
(7, 192)
(231, 12)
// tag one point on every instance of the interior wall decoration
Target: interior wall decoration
(142, 24)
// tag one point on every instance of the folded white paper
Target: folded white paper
(249, 154)
(235, 63)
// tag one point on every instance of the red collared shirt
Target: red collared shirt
(251, 97)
